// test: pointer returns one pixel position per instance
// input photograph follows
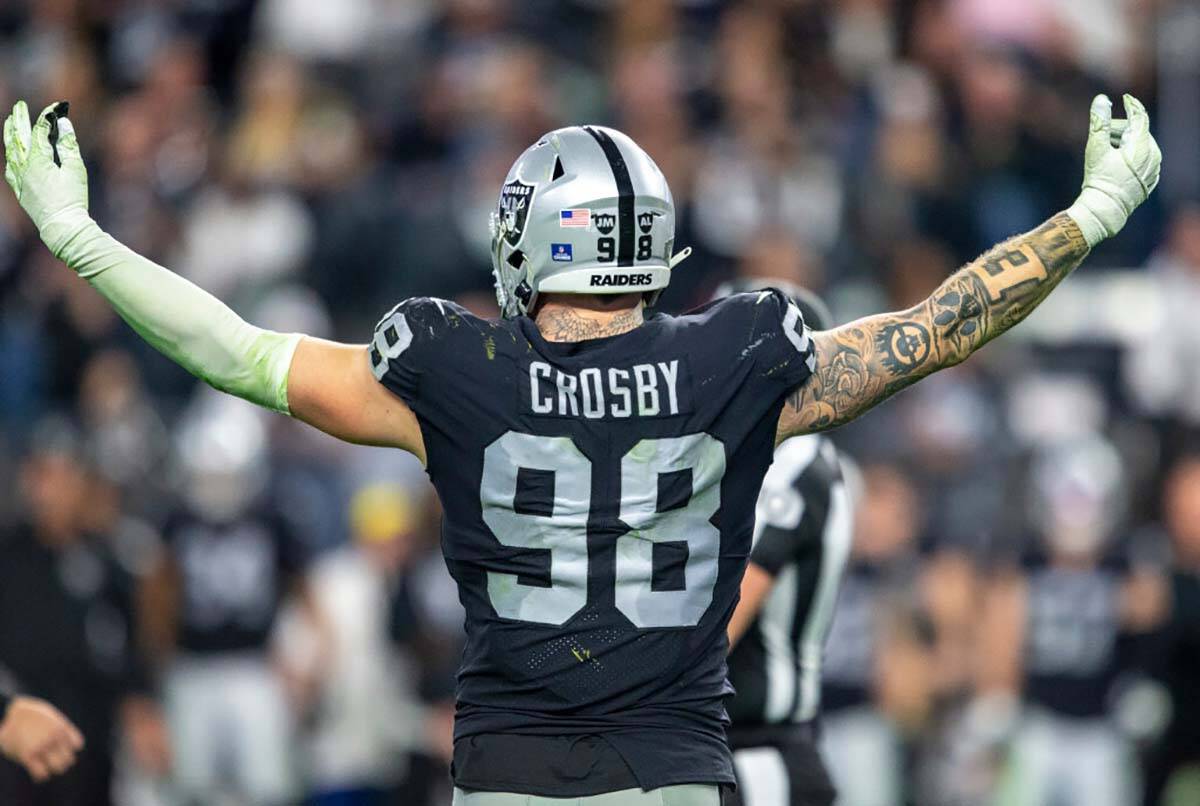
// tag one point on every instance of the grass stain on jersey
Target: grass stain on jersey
(583, 656)
(644, 451)
(489, 347)
(753, 346)
(777, 368)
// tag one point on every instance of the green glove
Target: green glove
(43, 165)
(182, 321)
(1121, 167)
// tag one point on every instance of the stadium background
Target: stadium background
(314, 162)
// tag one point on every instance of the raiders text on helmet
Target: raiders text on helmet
(583, 211)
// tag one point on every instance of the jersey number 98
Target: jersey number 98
(560, 525)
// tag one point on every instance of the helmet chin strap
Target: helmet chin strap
(679, 257)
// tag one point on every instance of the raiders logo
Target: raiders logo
(605, 222)
(515, 199)
(646, 221)
(904, 346)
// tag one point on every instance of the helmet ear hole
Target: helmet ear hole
(516, 258)
(558, 170)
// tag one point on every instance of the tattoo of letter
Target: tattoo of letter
(864, 362)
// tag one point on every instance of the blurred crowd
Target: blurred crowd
(236, 610)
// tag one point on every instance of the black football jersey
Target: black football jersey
(598, 505)
(1072, 631)
(233, 578)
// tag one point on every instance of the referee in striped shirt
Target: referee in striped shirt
(802, 537)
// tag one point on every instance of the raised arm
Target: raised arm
(862, 363)
(327, 385)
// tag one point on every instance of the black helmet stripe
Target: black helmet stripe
(625, 196)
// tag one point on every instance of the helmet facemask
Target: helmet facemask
(507, 276)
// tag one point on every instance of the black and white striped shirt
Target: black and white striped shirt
(802, 534)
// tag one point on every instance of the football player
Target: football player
(598, 466)
(802, 533)
(1055, 632)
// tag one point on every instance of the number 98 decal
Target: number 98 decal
(606, 248)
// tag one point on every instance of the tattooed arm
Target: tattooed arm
(862, 363)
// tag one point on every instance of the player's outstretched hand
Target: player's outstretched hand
(1120, 169)
(37, 736)
(44, 168)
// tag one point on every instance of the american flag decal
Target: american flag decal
(574, 219)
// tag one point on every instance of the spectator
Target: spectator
(1163, 373)
(1052, 635)
(1173, 769)
(862, 645)
(210, 609)
(367, 719)
(67, 629)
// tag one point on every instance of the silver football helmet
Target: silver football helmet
(584, 211)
